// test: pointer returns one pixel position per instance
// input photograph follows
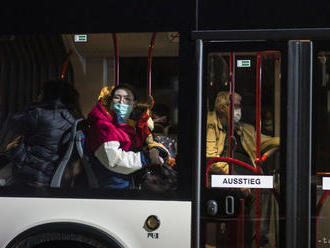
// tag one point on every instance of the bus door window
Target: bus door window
(321, 147)
(237, 213)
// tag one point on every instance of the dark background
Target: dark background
(150, 15)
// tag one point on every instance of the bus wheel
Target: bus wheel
(60, 240)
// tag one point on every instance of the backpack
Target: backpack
(157, 178)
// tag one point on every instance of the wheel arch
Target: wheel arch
(68, 227)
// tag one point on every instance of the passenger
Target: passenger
(244, 150)
(44, 130)
(157, 179)
(141, 119)
(165, 133)
(110, 139)
(245, 136)
(160, 113)
(267, 123)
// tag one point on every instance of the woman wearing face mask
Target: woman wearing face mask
(245, 136)
(110, 139)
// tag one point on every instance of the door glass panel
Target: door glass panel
(321, 146)
(240, 196)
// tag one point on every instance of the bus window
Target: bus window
(242, 149)
(89, 63)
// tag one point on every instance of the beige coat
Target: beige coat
(215, 140)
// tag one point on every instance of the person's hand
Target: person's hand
(219, 168)
(154, 157)
(14, 143)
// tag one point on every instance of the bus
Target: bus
(220, 74)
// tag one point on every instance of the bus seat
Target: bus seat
(75, 146)
(85, 160)
(57, 178)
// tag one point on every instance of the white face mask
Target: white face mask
(237, 115)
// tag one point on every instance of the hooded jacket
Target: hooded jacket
(216, 137)
(46, 129)
(111, 142)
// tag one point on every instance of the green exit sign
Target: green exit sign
(80, 38)
(244, 63)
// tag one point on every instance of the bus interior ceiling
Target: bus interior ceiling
(29, 60)
(94, 64)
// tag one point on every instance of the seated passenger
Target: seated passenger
(112, 140)
(245, 136)
(140, 118)
(160, 113)
(163, 132)
(44, 130)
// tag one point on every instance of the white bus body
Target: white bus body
(121, 219)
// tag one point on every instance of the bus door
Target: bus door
(241, 128)
(321, 144)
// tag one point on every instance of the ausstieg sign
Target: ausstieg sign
(237, 181)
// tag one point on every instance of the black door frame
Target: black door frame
(296, 226)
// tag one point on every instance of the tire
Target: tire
(60, 240)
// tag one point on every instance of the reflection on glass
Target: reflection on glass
(231, 133)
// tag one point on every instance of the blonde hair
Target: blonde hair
(223, 98)
(105, 97)
(105, 94)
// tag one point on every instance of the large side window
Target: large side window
(126, 138)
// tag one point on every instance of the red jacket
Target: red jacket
(105, 127)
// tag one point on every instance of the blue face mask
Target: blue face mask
(122, 110)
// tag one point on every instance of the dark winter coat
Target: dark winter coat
(46, 129)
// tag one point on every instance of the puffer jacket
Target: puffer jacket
(46, 130)
(216, 137)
